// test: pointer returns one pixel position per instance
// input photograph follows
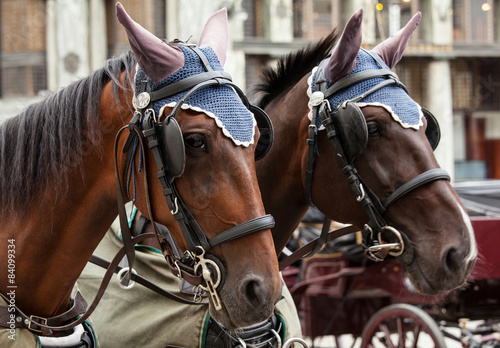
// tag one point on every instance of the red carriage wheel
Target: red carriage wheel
(402, 326)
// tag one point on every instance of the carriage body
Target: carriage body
(337, 294)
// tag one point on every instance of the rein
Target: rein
(375, 248)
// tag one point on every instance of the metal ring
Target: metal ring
(121, 275)
(292, 340)
(400, 238)
(278, 338)
(207, 274)
(242, 343)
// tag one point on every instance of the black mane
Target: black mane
(44, 142)
(291, 69)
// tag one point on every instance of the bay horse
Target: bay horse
(439, 247)
(382, 153)
(59, 187)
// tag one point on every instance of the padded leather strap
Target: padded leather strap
(241, 230)
(416, 182)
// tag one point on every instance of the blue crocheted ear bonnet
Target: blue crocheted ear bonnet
(392, 97)
(221, 103)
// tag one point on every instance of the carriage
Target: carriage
(374, 305)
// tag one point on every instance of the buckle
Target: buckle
(36, 320)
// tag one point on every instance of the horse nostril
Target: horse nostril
(255, 293)
(453, 261)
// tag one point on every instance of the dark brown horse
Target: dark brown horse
(440, 249)
(430, 215)
(58, 190)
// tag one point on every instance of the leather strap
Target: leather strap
(322, 239)
(145, 282)
(77, 307)
(419, 180)
(47, 326)
(361, 76)
(307, 248)
(251, 226)
(187, 83)
(178, 268)
(202, 57)
(311, 143)
(128, 243)
(181, 270)
(211, 82)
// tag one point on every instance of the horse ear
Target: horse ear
(343, 59)
(155, 57)
(215, 34)
(391, 50)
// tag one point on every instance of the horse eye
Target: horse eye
(373, 128)
(195, 141)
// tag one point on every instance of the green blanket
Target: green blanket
(139, 317)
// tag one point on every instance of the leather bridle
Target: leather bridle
(197, 265)
(375, 247)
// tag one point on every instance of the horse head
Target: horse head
(385, 143)
(206, 138)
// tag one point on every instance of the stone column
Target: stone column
(439, 102)
(280, 20)
(98, 47)
(76, 40)
(235, 60)
(72, 40)
(438, 21)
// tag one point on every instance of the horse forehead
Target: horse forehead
(220, 103)
(393, 98)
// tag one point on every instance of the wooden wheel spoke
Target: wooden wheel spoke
(416, 334)
(387, 335)
(401, 332)
(403, 320)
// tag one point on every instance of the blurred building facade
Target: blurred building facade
(450, 66)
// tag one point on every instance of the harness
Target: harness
(165, 140)
(347, 131)
(269, 333)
